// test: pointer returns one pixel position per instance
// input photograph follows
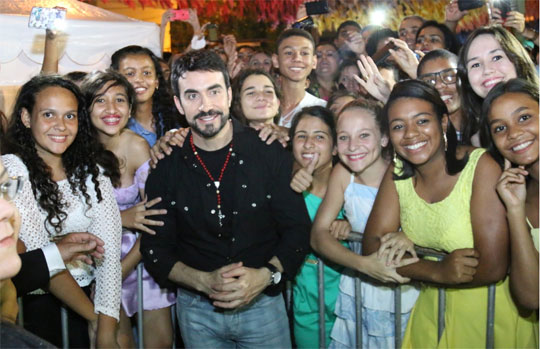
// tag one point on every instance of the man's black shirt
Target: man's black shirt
(267, 218)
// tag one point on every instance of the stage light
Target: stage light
(377, 16)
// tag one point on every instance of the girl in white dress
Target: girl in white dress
(53, 147)
(354, 184)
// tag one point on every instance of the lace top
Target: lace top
(129, 196)
(444, 225)
(102, 220)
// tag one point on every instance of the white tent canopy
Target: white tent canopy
(87, 43)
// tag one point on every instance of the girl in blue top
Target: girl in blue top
(156, 113)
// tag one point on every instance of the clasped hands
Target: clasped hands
(457, 267)
(234, 285)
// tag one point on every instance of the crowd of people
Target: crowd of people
(229, 171)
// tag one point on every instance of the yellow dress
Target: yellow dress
(446, 226)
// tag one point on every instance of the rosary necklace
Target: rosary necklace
(216, 183)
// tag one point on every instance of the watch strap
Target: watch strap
(273, 270)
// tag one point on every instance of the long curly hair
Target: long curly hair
(165, 114)
(78, 160)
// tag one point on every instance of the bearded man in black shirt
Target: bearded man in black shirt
(234, 230)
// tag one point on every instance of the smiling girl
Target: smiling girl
(313, 144)
(354, 184)
(54, 148)
(156, 113)
(111, 103)
(443, 197)
(255, 98)
(489, 56)
(510, 120)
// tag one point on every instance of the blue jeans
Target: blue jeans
(261, 324)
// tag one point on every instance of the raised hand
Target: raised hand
(404, 57)
(301, 12)
(515, 20)
(303, 178)
(229, 46)
(194, 21)
(355, 42)
(452, 12)
(372, 80)
(166, 17)
(512, 186)
(496, 16)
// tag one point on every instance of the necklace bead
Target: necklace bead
(216, 183)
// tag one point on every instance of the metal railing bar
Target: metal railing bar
(173, 322)
(140, 308)
(427, 252)
(397, 316)
(322, 305)
(358, 311)
(490, 335)
(353, 236)
(64, 322)
(440, 315)
(20, 317)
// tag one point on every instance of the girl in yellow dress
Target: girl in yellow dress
(443, 197)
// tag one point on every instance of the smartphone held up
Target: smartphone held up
(213, 34)
(316, 7)
(180, 15)
(381, 55)
(47, 18)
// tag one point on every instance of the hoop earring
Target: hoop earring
(395, 157)
(445, 141)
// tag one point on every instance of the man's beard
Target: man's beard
(209, 130)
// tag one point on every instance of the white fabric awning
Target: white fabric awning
(87, 43)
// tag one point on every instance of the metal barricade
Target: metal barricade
(353, 236)
(322, 305)
(65, 333)
(20, 318)
(140, 303)
(421, 251)
(64, 323)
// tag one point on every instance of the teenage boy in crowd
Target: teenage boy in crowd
(295, 59)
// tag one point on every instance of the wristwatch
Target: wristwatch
(276, 274)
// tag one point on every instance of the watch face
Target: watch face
(276, 277)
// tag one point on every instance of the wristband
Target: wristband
(197, 44)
